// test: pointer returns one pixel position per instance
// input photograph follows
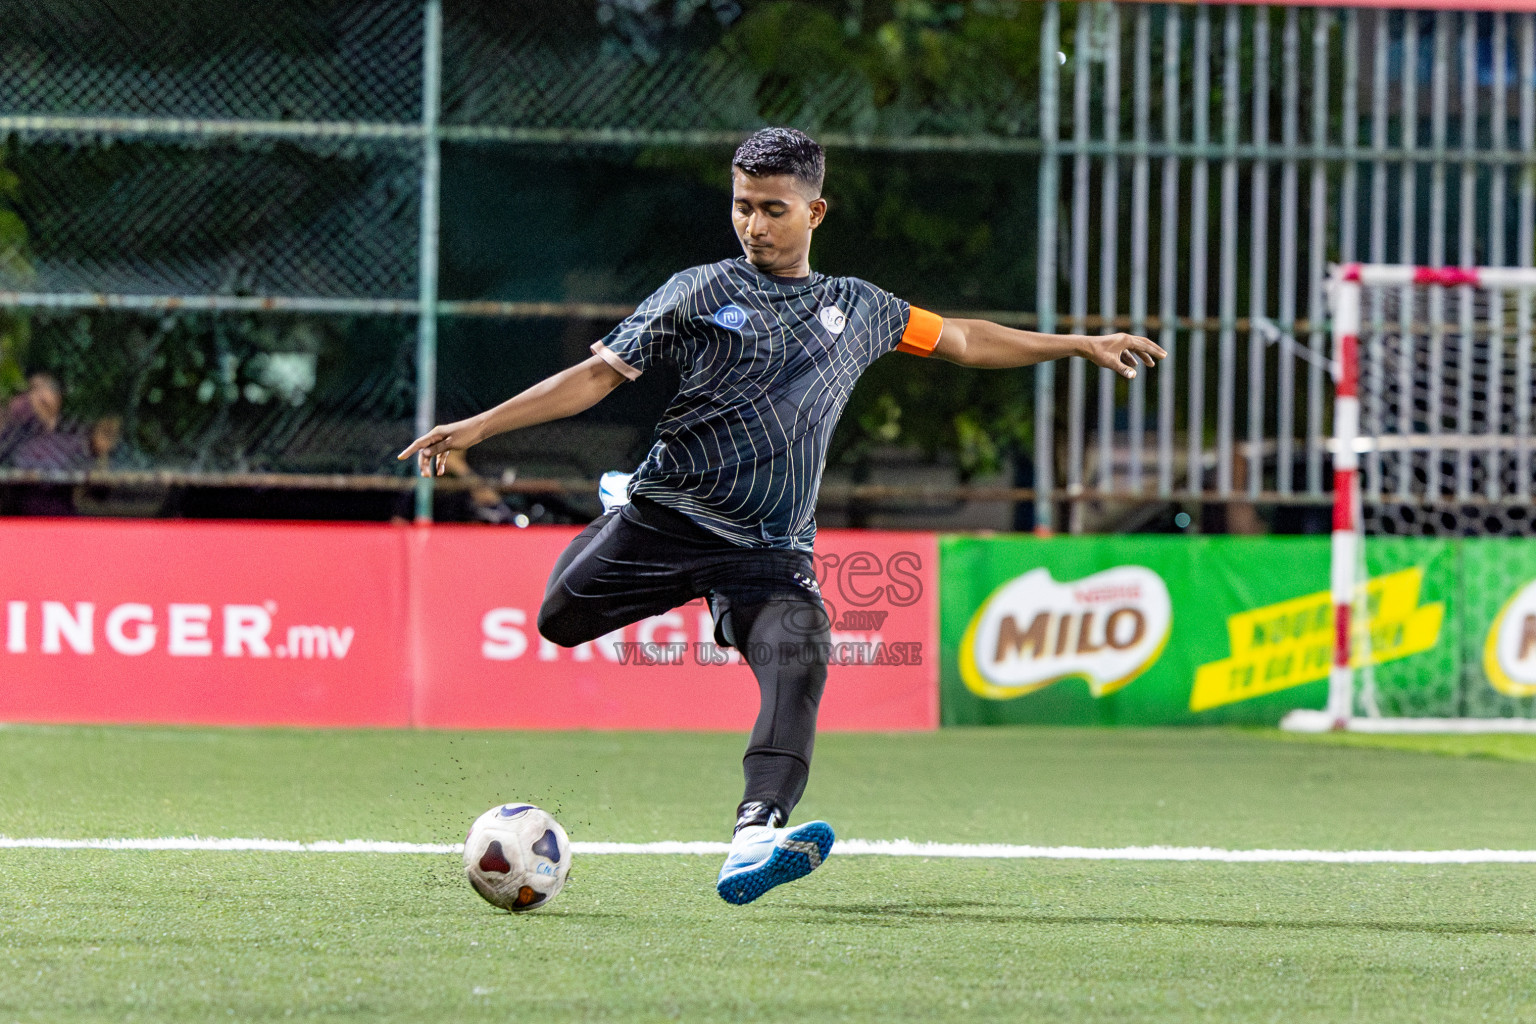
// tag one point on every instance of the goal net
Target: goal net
(1433, 580)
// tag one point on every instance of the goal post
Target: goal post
(1432, 438)
(1345, 550)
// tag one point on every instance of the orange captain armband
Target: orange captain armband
(922, 333)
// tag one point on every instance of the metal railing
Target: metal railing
(1365, 167)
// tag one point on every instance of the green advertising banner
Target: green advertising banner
(1498, 677)
(1160, 630)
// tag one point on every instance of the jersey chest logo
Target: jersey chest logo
(832, 319)
(731, 317)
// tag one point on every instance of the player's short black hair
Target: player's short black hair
(783, 151)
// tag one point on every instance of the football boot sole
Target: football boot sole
(795, 856)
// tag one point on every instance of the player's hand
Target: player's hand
(1123, 353)
(432, 448)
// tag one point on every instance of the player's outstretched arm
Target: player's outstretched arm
(986, 344)
(565, 394)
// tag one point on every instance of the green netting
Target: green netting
(248, 218)
(260, 60)
(266, 163)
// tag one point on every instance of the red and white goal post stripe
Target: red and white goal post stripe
(1344, 297)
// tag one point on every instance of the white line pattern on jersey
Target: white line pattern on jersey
(741, 448)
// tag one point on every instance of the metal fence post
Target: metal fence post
(1077, 270)
(1258, 252)
(1168, 269)
(1226, 339)
(1199, 218)
(1317, 211)
(1141, 171)
(1497, 229)
(1109, 239)
(1524, 256)
(431, 171)
(1285, 308)
(1045, 289)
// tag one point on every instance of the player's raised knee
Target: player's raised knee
(561, 623)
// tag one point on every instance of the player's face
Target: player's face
(774, 221)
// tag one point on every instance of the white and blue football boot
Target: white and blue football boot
(762, 857)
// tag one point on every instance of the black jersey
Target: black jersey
(767, 366)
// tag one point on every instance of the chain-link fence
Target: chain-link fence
(263, 243)
(214, 235)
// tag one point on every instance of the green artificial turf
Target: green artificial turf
(95, 935)
(1504, 746)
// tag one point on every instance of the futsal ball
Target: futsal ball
(517, 857)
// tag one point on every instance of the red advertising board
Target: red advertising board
(241, 624)
(481, 590)
(375, 625)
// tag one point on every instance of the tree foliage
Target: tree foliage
(13, 265)
(945, 230)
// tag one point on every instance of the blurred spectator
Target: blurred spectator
(33, 412)
(479, 503)
(32, 440)
(106, 434)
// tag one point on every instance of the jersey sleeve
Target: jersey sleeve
(649, 335)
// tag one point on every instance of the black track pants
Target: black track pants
(646, 559)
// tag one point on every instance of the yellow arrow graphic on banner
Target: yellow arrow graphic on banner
(1290, 643)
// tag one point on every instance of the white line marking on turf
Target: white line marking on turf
(259, 845)
(846, 847)
(906, 848)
